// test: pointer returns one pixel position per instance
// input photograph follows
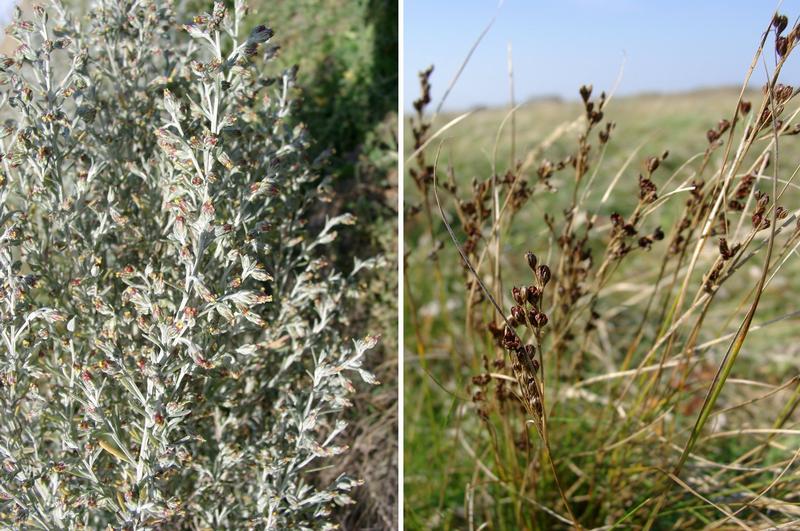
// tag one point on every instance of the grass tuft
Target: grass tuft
(600, 334)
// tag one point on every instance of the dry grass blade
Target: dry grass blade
(693, 492)
(466, 59)
(439, 132)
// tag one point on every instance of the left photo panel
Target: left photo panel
(198, 264)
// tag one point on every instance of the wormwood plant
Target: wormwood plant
(174, 337)
(594, 410)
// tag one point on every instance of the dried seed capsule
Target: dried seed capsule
(724, 250)
(511, 344)
(537, 404)
(543, 275)
(651, 164)
(532, 294)
(516, 294)
(532, 261)
(585, 92)
(744, 107)
(529, 351)
(658, 234)
(781, 46)
(779, 22)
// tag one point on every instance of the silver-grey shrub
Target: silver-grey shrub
(174, 335)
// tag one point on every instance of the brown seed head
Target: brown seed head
(744, 107)
(532, 261)
(779, 22)
(543, 275)
(651, 164)
(586, 92)
(532, 294)
(781, 46)
(516, 294)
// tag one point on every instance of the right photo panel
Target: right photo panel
(601, 265)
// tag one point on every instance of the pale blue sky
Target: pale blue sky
(6, 11)
(560, 44)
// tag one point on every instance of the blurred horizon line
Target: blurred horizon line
(564, 99)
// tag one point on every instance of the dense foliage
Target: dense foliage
(174, 334)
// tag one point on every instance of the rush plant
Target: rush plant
(175, 340)
(618, 375)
